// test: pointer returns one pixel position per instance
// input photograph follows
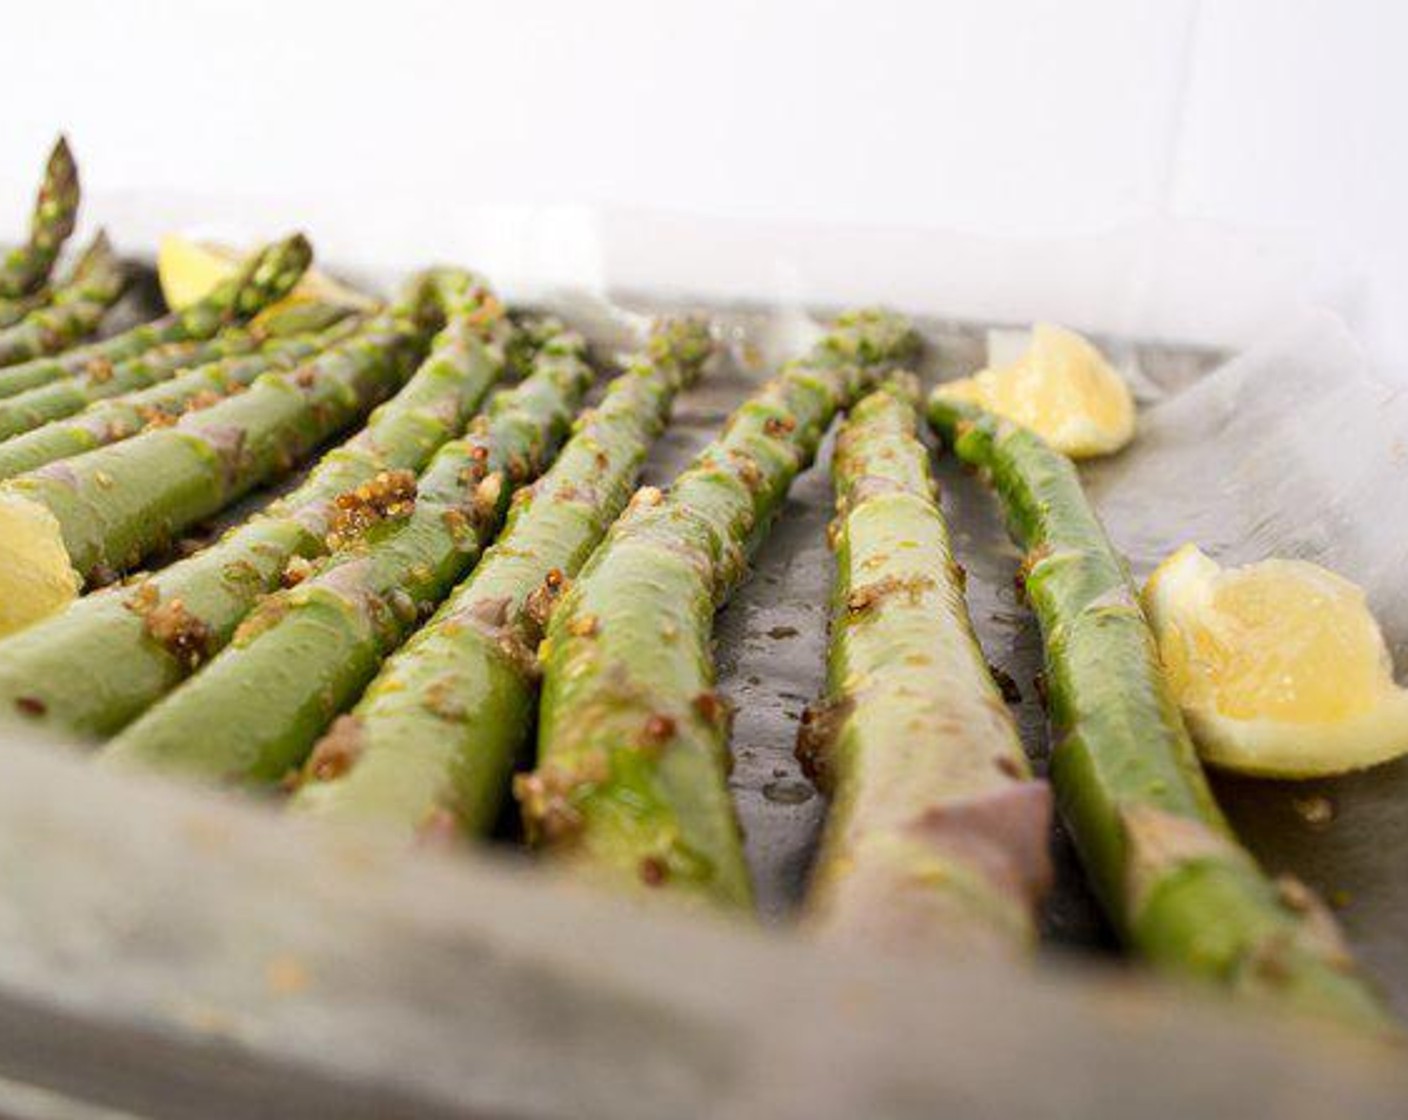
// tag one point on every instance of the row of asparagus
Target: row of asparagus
(383, 639)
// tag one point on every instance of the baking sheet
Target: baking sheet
(168, 953)
(1197, 472)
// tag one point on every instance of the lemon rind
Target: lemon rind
(36, 578)
(1280, 749)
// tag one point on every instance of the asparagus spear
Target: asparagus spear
(432, 742)
(95, 667)
(75, 311)
(279, 321)
(118, 504)
(306, 653)
(937, 832)
(193, 385)
(231, 358)
(268, 277)
(13, 310)
(1158, 851)
(24, 270)
(633, 740)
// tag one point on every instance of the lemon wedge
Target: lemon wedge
(1279, 667)
(36, 579)
(1062, 388)
(189, 269)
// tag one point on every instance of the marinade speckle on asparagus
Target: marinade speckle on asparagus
(632, 746)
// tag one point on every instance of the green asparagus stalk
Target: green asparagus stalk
(25, 269)
(633, 739)
(1157, 849)
(279, 321)
(75, 311)
(13, 310)
(192, 386)
(304, 654)
(219, 358)
(90, 670)
(430, 746)
(118, 504)
(937, 833)
(267, 278)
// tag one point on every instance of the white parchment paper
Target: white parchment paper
(1291, 448)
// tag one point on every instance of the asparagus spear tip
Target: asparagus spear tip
(25, 269)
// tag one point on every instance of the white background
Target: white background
(1169, 166)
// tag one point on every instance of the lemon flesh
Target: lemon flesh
(36, 578)
(1063, 389)
(1279, 667)
(188, 270)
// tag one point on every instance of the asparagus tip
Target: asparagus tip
(682, 340)
(902, 384)
(873, 336)
(296, 250)
(99, 251)
(270, 274)
(62, 166)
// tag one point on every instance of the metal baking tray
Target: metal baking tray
(172, 952)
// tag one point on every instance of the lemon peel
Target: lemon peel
(36, 578)
(188, 269)
(1062, 388)
(1279, 666)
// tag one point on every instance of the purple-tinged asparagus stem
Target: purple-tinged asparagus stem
(936, 837)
